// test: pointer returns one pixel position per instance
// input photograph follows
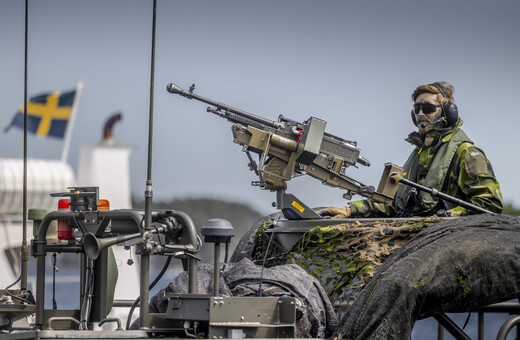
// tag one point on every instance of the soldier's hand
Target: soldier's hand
(335, 212)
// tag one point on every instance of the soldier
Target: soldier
(444, 158)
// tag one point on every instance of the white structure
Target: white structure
(43, 178)
(107, 167)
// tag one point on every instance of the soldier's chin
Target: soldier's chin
(423, 130)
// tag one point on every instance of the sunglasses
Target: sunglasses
(426, 108)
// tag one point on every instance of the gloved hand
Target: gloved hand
(335, 212)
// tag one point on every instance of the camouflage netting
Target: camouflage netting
(453, 266)
(343, 257)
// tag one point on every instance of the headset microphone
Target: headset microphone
(425, 124)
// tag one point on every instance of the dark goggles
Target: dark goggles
(426, 108)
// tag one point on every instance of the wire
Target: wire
(185, 251)
(467, 320)
(154, 282)
(141, 224)
(87, 297)
(199, 243)
(226, 253)
(7, 292)
(195, 332)
(263, 265)
(193, 255)
(158, 235)
(53, 260)
(271, 258)
(189, 335)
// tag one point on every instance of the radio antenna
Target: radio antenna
(148, 194)
(24, 253)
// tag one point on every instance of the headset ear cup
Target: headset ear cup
(451, 113)
(413, 118)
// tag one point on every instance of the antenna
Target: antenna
(24, 252)
(148, 194)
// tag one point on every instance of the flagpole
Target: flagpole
(70, 125)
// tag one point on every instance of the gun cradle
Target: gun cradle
(278, 168)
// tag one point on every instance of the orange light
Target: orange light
(104, 205)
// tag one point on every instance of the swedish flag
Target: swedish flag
(47, 114)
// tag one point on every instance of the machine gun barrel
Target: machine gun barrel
(230, 113)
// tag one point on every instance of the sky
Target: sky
(351, 63)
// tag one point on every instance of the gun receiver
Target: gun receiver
(288, 148)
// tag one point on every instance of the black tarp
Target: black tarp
(318, 319)
(452, 266)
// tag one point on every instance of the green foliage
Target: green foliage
(200, 210)
(509, 209)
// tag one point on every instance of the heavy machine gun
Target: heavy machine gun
(287, 149)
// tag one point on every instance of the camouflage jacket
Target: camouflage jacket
(469, 177)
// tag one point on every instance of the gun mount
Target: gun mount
(287, 148)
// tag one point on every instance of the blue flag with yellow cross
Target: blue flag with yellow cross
(47, 114)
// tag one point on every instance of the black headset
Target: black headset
(450, 112)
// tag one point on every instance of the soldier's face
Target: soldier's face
(425, 121)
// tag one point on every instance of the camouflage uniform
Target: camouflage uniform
(465, 173)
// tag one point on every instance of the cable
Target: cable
(183, 251)
(271, 258)
(154, 282)
(199, 243)
(263, 265)
(467, 320)
(189, 335)
(158, 235)
(7, 292)
(87, 296)
(226, 253)
(54, 270)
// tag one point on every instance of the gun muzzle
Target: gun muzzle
(172, 88)
(363, 161)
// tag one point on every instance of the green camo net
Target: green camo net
(344, 257)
